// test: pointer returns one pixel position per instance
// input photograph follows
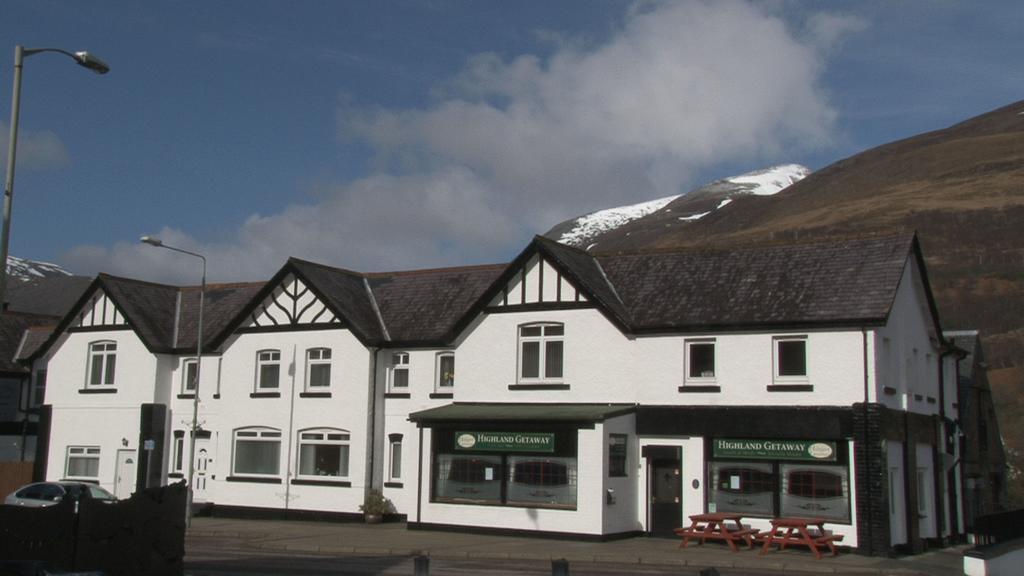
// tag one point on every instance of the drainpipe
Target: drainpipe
(867, 459)
(291, 426)
(370, 480)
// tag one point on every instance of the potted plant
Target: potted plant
(375, 506)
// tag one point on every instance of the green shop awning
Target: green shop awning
(491, 412)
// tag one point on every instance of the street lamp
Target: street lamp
(199, 365)
(83, 59)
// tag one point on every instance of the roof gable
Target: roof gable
(291, 303)
(99, 311)
(537, 282)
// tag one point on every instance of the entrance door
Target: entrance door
(203, 465)
(124, 474)
(666, 495)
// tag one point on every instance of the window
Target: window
(318, 368)
(445, 379)
(38, 389)
(268, 369)
(398, 379)
(548, 482)
(922, 492)
(395, 457)
(617, 455)
(744, 487)
(83, 462)
(323, 452)
(815, 491)
(541, 348)
(257, 451)
(102, 359)
(188, 376)
(179, 451)
(791, 358)
(700, 360)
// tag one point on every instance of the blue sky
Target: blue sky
(393, 135)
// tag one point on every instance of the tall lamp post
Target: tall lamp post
(83, 59)
(199, 365)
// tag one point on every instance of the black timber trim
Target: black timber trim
(783, 422)
(849, 323)
(394, 485)
(701, 388)
(175, 475)
(331, 483)
(539, 306)
(522, 532)
(97, 390)
(42, 443)
(889, 391)
(186, 396)
(538, 386)
(253, 480)
(104, 328)
(294, 327)
(441, 395)
(264, 395)
(314, 395)
(790, 388)
(397, 395)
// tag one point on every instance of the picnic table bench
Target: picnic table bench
(717, 526)
(786, 531)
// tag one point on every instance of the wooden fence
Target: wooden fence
(14, 475)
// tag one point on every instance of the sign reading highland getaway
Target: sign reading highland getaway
(505, 441)
(775, 449)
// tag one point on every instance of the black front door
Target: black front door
(666, 496)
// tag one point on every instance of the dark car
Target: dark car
(49, 493)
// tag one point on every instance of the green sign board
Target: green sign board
(813, 450)
(505, 441)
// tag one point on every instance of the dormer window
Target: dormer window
(102, 360)
(541, 348)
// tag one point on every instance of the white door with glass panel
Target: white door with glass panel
(204, 466)
(124, 481)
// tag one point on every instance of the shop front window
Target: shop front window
(816, 491)
(469, 479)
(550, 482)
(743, 487)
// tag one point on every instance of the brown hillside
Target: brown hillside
(961, 189)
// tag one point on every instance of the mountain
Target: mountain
(961, 188)
(42, 288)
(584, 231)
(23, 269)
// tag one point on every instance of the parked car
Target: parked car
(49, 493)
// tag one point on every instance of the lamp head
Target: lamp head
(151, 241)
(90, 61)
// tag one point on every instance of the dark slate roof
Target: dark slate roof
(149, 308)
(345, 292)
(222, 304)
(851, 281)
(50, 295)
(588, 273)
(33, 339)
(13, 326)
(425, 305)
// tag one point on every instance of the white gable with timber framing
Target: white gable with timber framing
(291, 303)
(538, 282)
(99, 311)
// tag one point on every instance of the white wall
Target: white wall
(622, 515)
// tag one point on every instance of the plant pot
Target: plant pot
(373, 518)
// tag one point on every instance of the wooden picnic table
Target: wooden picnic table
(787, 531)
(717, 526)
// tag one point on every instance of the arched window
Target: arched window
(257, 451)
(541, 349)
(323, 453)
(102, 360)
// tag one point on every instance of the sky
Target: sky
(396, 135)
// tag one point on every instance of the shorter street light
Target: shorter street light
(84, 59)
(199, 364)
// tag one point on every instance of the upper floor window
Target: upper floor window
(102, 359)
(445, 378)
(268, 369)
(700, 360)
(257, 451)
(323, 452)
(189, 373)
(318, 368)
(541, 347)
(791, 358)
(398, 376)
(38, 389)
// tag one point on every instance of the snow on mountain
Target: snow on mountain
(23, 269)
(759, 182)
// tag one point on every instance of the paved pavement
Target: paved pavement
(394, 540)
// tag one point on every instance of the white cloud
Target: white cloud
(509, 147)
(36, 150)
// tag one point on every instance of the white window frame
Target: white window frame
(255, 434)
(266, 358)
(713, 377)
(104, 351)
(38, 396)
(321, 356)
(395, 456)
(777, 342)
(178, 454)
(324, 437)
(542, 340)
(188, 387)
(440, 378)
(83, 453)
(399, 363)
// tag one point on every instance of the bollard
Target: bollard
(560, 567)
(421, 566)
